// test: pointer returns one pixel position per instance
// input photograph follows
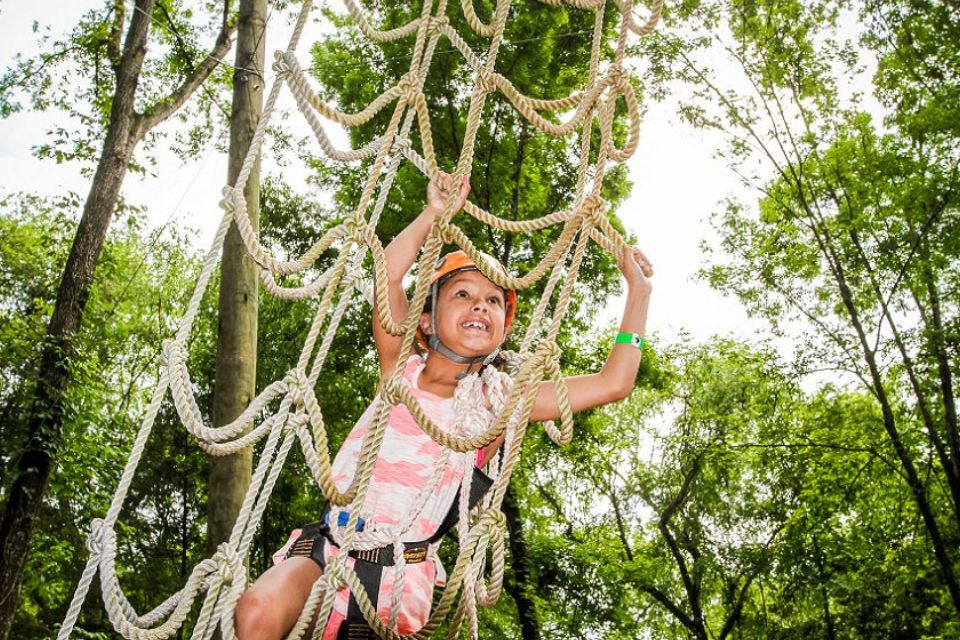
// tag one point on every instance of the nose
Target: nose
(480, 305)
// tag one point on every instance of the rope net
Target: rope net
(221, 579)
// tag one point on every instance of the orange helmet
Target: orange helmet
(459, 261)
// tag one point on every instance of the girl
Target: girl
(466, 321)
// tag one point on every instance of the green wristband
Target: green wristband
(630, 338)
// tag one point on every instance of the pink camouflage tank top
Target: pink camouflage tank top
(399, 498)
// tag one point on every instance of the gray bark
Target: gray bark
(235, 383)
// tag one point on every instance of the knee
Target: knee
(257, 617)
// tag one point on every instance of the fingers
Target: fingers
(639, 258)
(643, 261)
(445, 183)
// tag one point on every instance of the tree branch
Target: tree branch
(167, 106)
(690, 586)
(742, 596)
(663, 599)
(116, 34)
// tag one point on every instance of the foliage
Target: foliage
(851, 247)
(87, 57)
(736, 493)
(136, 299)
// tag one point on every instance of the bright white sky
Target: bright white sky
(677, 184)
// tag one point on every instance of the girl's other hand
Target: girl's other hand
(636, 269)
(438, 191)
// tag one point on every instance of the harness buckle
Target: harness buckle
(414, 555)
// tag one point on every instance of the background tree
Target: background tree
(235, 378)
(127, 105)
(136, 298)
(854, 242)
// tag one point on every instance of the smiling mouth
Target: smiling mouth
(475, 325)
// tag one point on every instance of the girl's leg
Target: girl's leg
(269, 609)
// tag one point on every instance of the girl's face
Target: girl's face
(471, 312)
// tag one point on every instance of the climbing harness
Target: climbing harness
(369, 563)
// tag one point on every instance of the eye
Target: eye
(461, 293)
(495, 300)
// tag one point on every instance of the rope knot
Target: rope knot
(594, 208)
(166, 351)
(334, 573)
(409, 89)
(486, 81)
(297, 420)
(390, 391)
(513, 360)
(95, 537)
(226, 558)
(280, 64)
(356, 228)
(228, 201)
(447, 230)
(493, 519)
(402, 146)
(550, 351)
(353, 276)
(435, 24)
(296, 384)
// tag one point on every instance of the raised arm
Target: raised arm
(400, 255)
(615, 379)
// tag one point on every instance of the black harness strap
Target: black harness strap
(369, 568)
(355, 627)
(479, 485)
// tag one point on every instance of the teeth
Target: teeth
(475, 325)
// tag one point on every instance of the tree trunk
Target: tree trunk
(125, 130)
(526, 609)
(912, 477)
(45, 426)
(235, 383)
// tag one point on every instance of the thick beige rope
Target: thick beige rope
(288, 412)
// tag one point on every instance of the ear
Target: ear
(425, 323)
